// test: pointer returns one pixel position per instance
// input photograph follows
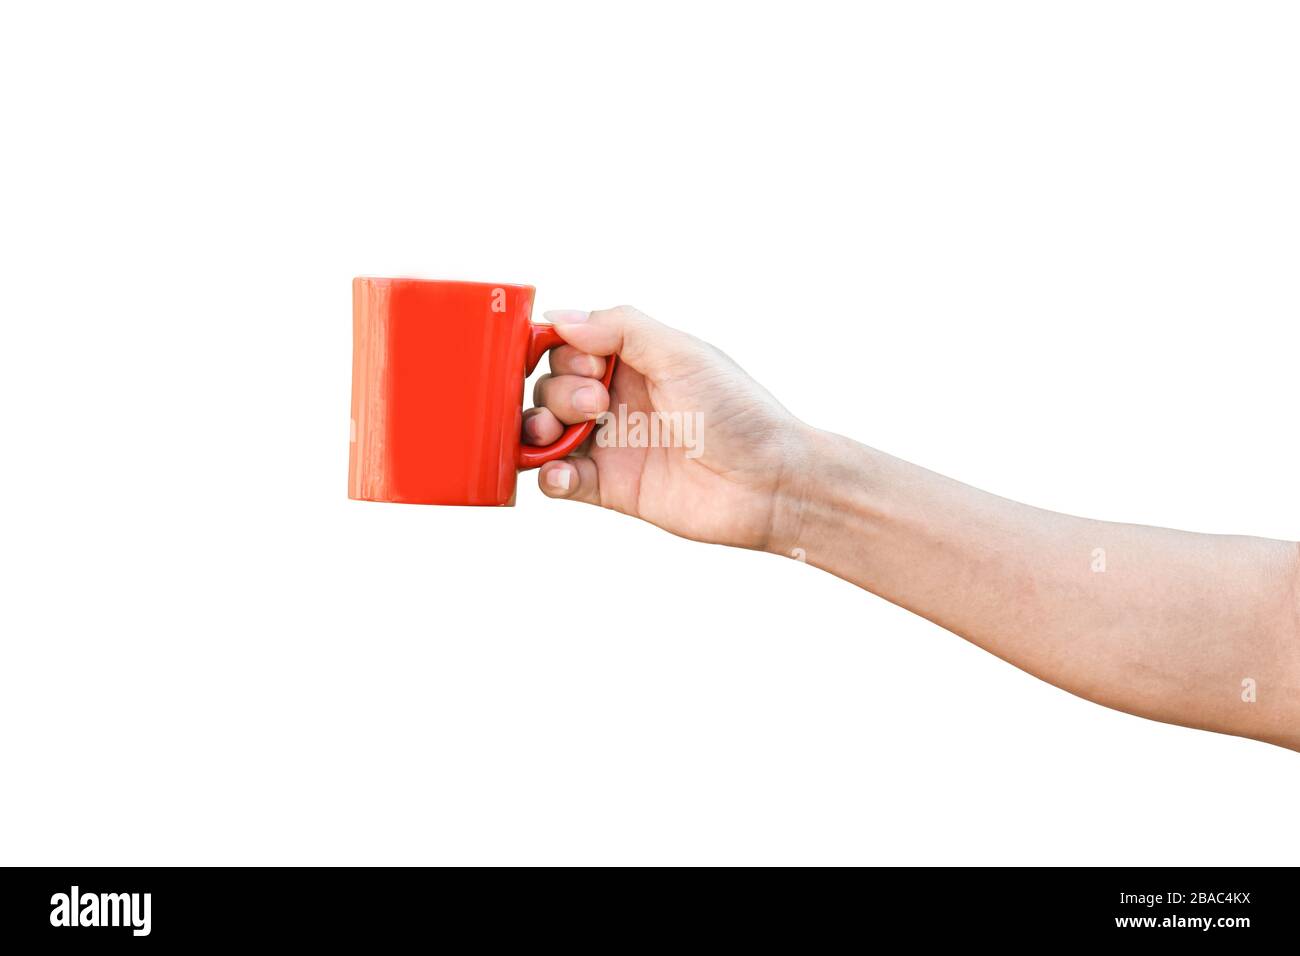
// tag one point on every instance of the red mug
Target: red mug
(438, 373)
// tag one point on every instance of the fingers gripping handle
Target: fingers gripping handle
(541, 339)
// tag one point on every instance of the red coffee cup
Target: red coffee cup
(438, 373)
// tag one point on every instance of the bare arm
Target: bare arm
(1192, 629)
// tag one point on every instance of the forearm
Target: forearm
(1164, 624)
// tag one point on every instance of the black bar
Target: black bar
(384, 907)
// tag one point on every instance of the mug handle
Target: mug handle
(541, 339)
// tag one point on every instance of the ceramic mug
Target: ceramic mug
(438, 373)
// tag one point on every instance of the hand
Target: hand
(1175, 636)
(725, 478)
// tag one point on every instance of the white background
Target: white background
(1048, 249)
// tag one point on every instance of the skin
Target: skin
(1159, 623)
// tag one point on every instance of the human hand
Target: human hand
(726, 474)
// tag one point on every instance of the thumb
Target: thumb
(650, 347)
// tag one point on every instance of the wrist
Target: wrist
(826, 487)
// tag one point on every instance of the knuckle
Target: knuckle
(624, 313)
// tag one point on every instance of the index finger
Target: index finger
(566, 360)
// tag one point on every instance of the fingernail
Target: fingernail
(558, 478)
(566, 316)
(587, 400)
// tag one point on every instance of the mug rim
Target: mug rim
(459, 282)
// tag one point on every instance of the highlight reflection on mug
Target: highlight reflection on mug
(637, 429)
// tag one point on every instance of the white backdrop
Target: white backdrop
(1048, 249)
